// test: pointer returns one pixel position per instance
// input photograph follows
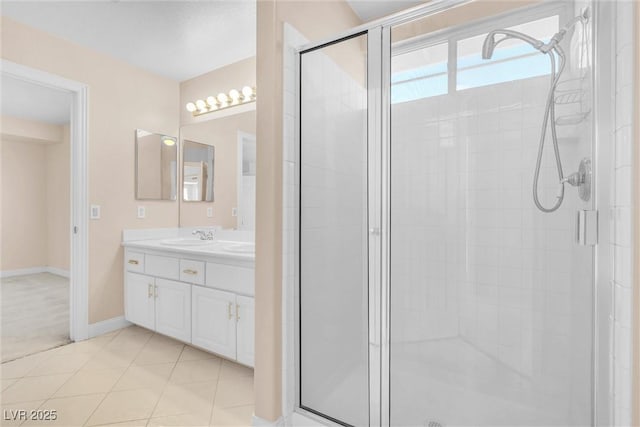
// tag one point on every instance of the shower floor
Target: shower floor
(451, 382)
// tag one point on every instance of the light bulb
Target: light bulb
(168, 141)
(211, 100)
(191, 107)
(247, 92)
(201, 104)
(234, 95)
(223, 98)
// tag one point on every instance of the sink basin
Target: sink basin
(240, 248)
(186, 242)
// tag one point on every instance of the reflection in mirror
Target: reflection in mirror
(228, 209)
(246, 181)
(156, 166)
(197, 171)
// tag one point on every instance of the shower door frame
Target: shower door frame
(379, 147)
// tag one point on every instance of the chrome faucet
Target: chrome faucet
(204, 235)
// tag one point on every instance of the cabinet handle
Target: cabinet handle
(237, 312)
(134, 261)
(229, 309)
(155, 292)
(189, 271)
(149, 290)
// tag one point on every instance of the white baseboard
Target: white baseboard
(261, 422)
(58, 271)
(107, 326)
(21, 272)
(34, 270)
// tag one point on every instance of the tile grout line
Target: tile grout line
(120, 377)
(165, 386)
(215, 395)
(62, 385)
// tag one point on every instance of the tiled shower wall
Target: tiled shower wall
(620, 206)
(502, 276)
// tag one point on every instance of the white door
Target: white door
(245, 330)
(173, 309)
(139, 303)
(214, 325)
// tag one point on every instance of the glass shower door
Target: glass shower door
(490, 298)
(333, 265)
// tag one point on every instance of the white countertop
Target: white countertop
(229, 245)
(215, 248)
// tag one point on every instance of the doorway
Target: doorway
(44, 228)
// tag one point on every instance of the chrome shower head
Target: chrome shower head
(490, 42)
(488, 45)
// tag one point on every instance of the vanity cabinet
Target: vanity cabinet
(214, 321)
(245, 329)
(209, 305)
(161, 305)
(223, 323)
(139, 305)
(173, 309)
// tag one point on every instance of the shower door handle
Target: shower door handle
(587, 227)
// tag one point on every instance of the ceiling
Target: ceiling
(175, 39)
(34, 102)
(369, 10)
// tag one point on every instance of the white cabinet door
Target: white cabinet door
(213, 321)
(245, 329)
(173, 309)
(139, 302)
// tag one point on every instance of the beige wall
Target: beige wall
(219, 129)
(21, 129)
(58, 213)
(316, 20)
(223, 79)
(35, 193)
(223, 134)
(636, 225)
(121, 99)
(24, 196)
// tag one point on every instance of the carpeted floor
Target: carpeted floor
(35, 314)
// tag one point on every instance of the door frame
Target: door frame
(79, 226)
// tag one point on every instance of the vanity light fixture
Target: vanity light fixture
(223, 100)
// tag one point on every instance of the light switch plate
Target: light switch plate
(209, 212)
(142, 212)
(95, 212)
(234, 211)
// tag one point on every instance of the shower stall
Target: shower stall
(447, 227)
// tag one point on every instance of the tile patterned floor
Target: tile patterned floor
(130, 377)
(35, 314)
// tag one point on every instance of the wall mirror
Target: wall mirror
(197, 171)
(229, 189)
(246, 181)
(156, 166)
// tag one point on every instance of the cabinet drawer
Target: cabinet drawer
(134, 261)
(230, 278)
(162, 266)
(192, 271)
